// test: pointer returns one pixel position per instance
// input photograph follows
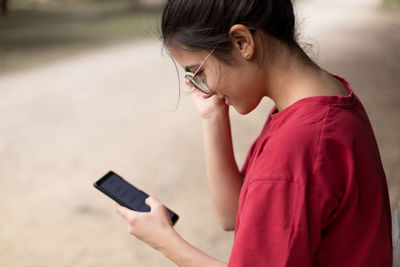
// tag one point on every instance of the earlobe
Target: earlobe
(242, 40)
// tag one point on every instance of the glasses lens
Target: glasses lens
(197, 83)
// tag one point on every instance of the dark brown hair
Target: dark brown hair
(205, 24)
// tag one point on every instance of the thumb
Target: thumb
(153, 202)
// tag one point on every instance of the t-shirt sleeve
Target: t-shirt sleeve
(277, 226)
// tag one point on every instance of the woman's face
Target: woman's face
(238, 84)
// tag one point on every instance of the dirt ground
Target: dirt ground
(67, 123)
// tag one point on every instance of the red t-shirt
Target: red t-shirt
(315, 191)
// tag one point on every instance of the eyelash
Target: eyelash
(200, 72)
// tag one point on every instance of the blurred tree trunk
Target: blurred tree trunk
(4, 7)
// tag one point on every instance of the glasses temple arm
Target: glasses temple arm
(201, 65)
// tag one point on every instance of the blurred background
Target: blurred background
(85, 87)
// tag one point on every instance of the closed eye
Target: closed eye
(191, 68)
(200, 72)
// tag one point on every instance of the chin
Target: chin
(243, 110)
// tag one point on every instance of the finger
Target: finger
(153, 202)
(192, 89)
(126, 213)
(188, 84)
(197, 94)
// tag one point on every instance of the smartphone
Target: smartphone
(126, 194)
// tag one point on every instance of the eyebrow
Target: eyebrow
(190, 67)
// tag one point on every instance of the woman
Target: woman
(312, 191)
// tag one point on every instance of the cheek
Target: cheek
(237, 83)
(244, 91)
(216, 81)
(223, 80)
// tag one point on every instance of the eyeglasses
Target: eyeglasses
(197, 82)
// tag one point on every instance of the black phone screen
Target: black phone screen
(126, 194)
(123, 192)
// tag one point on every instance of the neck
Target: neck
(291, 78)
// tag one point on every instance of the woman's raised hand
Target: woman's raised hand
(208, 105)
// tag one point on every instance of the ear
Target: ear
(242, 40)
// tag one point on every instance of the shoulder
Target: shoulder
(288, 147)
(293, 142)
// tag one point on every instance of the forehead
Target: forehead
(187, 58)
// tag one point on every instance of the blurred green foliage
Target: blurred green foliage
(392, 3)
(36, 31)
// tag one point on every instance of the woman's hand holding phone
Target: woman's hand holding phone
(154, 227)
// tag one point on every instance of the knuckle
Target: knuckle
(131, 219)
(156, 206)
(159, 207)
